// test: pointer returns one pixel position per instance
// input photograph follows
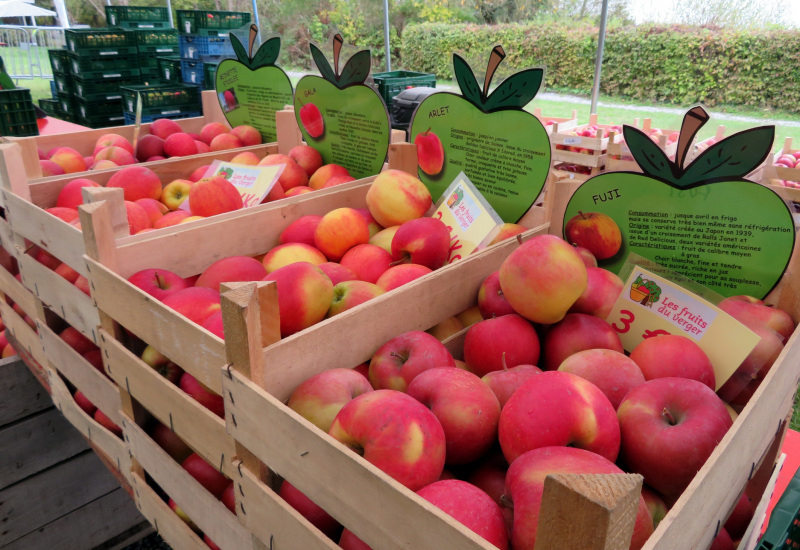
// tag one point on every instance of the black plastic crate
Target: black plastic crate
(105, 68)
(100, 42)
(88, 109)
(62, 83)
(137, 16)
(158, 41)
(16, 99)
(169, 69)
(59, 61)
(392, 83)
(197, 47)
(49, 106)
(66, 104)
(211, 23)
(166, 99)
(101, 90)
(131, 118)
(17, 114)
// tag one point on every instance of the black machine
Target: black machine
(405, 103)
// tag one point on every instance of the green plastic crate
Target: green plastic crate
(137, 16)
(49, 106)
(104, 67)
(102, 121)
(210, 75)
(87, 109)
(165, 99)
(103, 89)
(169, 69)
(59, 61)
(66, 104)
(211, 23)
(157, 41)
(63, 84)
(392, 83)
(17, 114)
(100, 42)
(17, 99)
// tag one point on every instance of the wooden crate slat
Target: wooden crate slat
(377, 508)
(16, 379)
(80, 481)
(101, 391)
(208, 513)
(90, 526)
(64, 298)
(35, 443)
(15, 290)
(201, 429)
(171, 528)
(7, 238)
(23, 334)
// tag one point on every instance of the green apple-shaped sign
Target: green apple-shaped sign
(703, 220)
(340, 116)
(250, 88)
(503, 150)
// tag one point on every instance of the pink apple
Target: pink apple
(304, 295)
(138, 218)
(203, 395)
(367, 261)
(247, 134)
(611, 371)
(205, 474)
(394, 432)
(214, 324)
(505, 382)
(289, 253)
(307, 157)
(558, 408)
(318, 517)
(115, 140)
(70, 195)
(396, 363)
(509, 338)
(669, 427)
(155, 209)
(588, 258)
(293, 174)
(164, 127)
(747, 307)
(300, 231)
(399, 275)
(671, 355)
(525, 485)
(195, 303)
(230, 270)
(542, 278)
(491, 301)
(137, 182)
(423, 241)
(602, 290)
(320, 398)
(212, 130)
(63, 213)
(577, 332)
(214, 195)
(158, 283)
(349, 294)
(466, 407)
(337, 273)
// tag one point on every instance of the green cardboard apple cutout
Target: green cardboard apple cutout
(251, 88)
(703, 220)
(503, 150)
(340, 116)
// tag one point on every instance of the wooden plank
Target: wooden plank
(201, 429)
(208, 513)
(22, 333)
(446, 292)
(90, 526)
(62, 297)
(25, 507)
(166, 522)
(7, 238)
(22, 393)
(192, 347)
(111, 445)
(692, 521)
(62, 240)
(270, 518)
(97, 387)
(36, 443)
(12, 173)
(15, 290)
(257, 230)
(377, 508)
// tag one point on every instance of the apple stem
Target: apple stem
(253, 34)
(693, 120)
(400, 356)
(497, 56)
(160, 281)
(404, 259)
(582, 216)
(506, 501)
(337, 48)
(503, 361)
(670, 418)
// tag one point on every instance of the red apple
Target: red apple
(205, 474)
(158, 283)
(430, 152)
(669, 355)
(137, 182)
(577, 332)
(558, 408)
(399, 275)
(613, 372)
(170, 442)
(466, 407)
(595, 231)
(307, 157)
(195, 303)
(318, 517)
(138, 218)
(293, 174)
(747, 307)
(164, 127)
(739, 520)
(162, 365)
(149, 146)
(394, 432)
(722, 541)
(230, 270)
(83, 402)
(76, 340)
(602, 290)
(337, 273)
(367, 261)
(103, 419)
(491, 342)
(214, 324)
(669, 427)
(212, 130)
(214, 195)
(155, 209)
(71, 196)
(301, 230)
(304, 295)
(401, 359)
(588, 258)
(202, 394)
(422, 241)
(505, 382)
(320, 398)
(491, 301)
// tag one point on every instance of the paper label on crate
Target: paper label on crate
(503, 149)
(251, 88)
(651, 305)
(573, 140)
(467, 215)
(253, 182)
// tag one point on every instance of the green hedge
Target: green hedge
(681, 65)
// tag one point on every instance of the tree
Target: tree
(729, 13)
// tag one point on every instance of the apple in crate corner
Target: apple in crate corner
(252, 69)
(320, 398)
(344, 92)
(673, 355)
(750, 308)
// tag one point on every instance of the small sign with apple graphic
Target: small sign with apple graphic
(251, 88)
(340, 116)
(703, 219)
(504, 150)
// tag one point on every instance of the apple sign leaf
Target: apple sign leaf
(356, 70)
(322, 63)
(648, 154)
(466, 80)
(240, 51)
(734, 156)
(267, 53)
(516, 91)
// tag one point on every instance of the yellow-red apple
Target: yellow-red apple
(304, 295)
(320, 398)
(399, 275)
(340, 230)
(396, 197)
(289, 253)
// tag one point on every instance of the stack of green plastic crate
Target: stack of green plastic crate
(101, 61)
(152, 44)
(163, 101)
(17, 115)
(137, 17)
(61, 87)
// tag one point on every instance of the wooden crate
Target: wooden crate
(619, 155)
(553, 125)
(84, 142)
(594, 151)
(774, 175)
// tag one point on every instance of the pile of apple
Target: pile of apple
(788, 160)
(588, 131)
(655, 135)
(544, 387)
(165, 140)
